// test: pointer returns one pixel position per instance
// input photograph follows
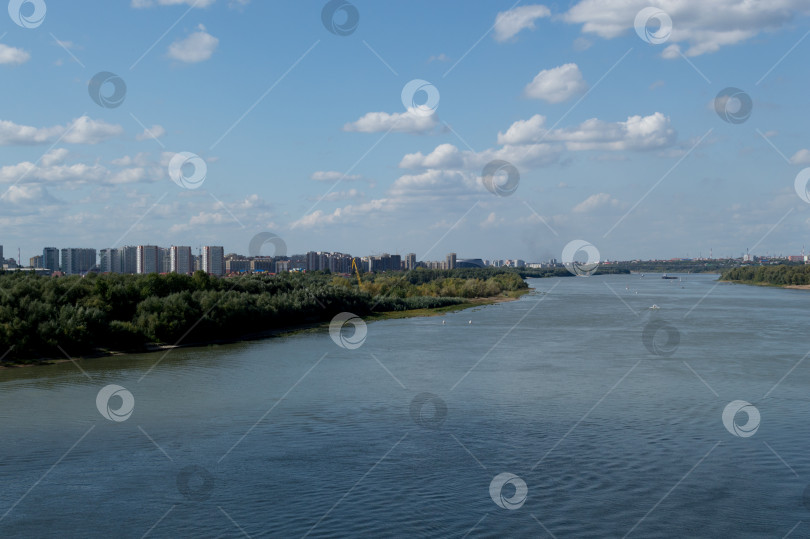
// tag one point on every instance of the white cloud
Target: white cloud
(637, 133)
(333, 176)
(340, 195)
(411, 121)
(557, 84)
(447, 156)
(27, 194)
(349, 213)
(443, 156)
(83, 130)
(802, 157)
(594, 202)
(13, 55)
(491, 221)
(197, 47)
(54, 157)
(704, 25)
(435, 184)
(523, 131)
(154, 132)
(53, 169)
(509, 23)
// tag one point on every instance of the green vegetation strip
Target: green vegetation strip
(783, 275)
(40, 316)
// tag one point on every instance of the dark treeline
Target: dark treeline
(83, 315)
(563, 272)
(775, 275)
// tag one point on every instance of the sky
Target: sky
(648, 129)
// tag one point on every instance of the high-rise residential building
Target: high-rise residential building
(129, 259)
(148, 259)
(180, 259)
(410, 261)
(213, 260)
(50, 258)
(35, 261)
(312, 261)
(110, 261)
(396, 262)
(164, 260)
(323, 261)
(282, 266)
(237, 265)
(451, 261)
(78, 261)
(262, 263)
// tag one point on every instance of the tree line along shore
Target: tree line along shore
(101, 313)
(781, 275)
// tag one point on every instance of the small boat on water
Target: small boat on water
(655, 307)
(665, 276)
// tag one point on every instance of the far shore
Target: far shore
(279, 332)
(771, 285)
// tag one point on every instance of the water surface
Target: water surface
(295, 435)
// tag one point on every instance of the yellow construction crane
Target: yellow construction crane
(357, 271)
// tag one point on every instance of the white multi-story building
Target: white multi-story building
(181, 260)
(213, 260)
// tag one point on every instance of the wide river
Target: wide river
(576, 411)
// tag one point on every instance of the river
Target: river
(577, 410)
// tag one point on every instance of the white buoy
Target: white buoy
(442, 322)
(470, 322)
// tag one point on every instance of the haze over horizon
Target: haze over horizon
(366, 127)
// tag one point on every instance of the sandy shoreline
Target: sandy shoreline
(277, 332)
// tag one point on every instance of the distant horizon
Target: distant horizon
(438, 259)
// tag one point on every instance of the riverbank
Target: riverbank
(769, 285)
(794, 276)
(281, 332)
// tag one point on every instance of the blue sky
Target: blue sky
(304, 133)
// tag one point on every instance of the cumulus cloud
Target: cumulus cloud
(53, 157)
(13, 55)
(704, 25)
(509, 23)
(802, 157)
(594, 202)
(53, 169)
(349, 213)
(83, 130)
(340, 195)
(27, 194)
(636, 133)
(154, 132)
(447, 156)
(197, 47)
(411, 121)
(333, 176)
(557, 84)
